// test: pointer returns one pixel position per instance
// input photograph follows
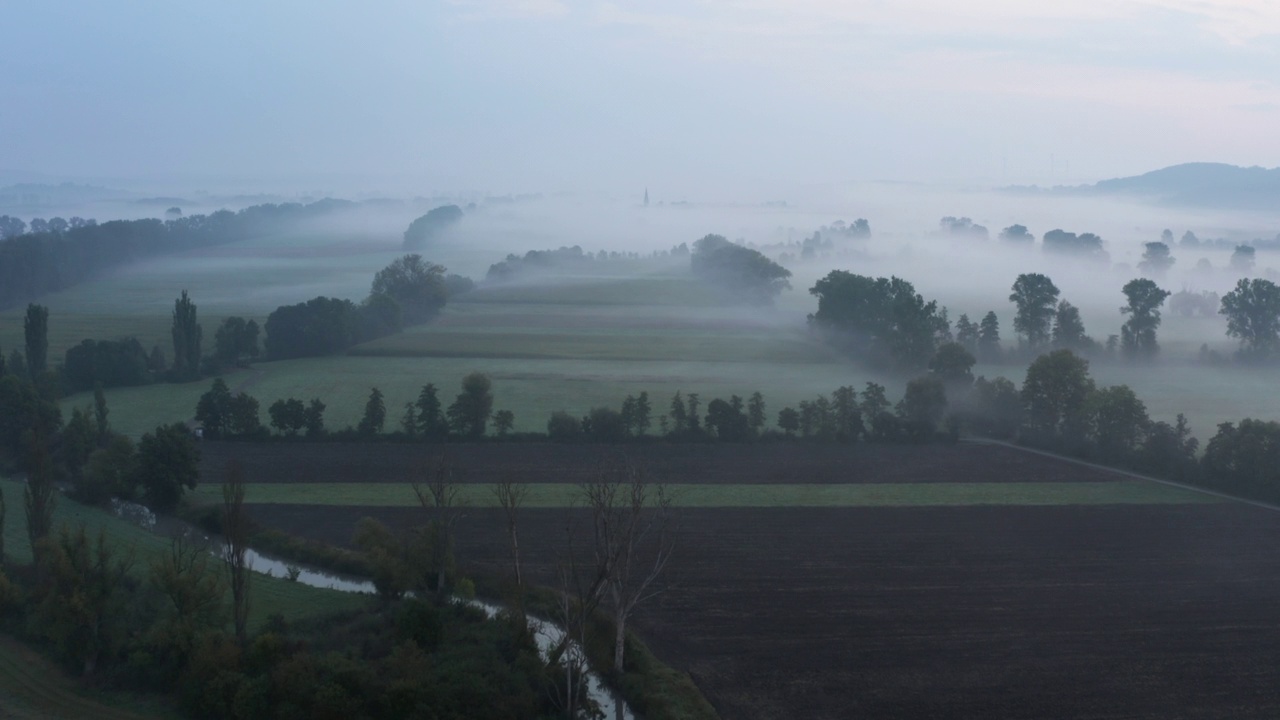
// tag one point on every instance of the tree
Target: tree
(288, 416)
(1138, 334)
(1242, 259)
(1054, 394)
(187, 580)
(511, 496)
(1085, 245)
(236, 340)
(679, 414)
(922, 406)
(634, 539)
(168, 462)
(36, 329)
(112, 470)
(727, 422)
(320, 326)
(1036, 297)
(1156, 259)
(186, 339)
(235, 534)
(967, 333)
(503, 421)
(100, 413)
(756, 413)
(744, 273)
(470, 411)
(788, 420)
(1118, 422)
(243, 416)
(438, 495)
(1244, 458)
(417, 286)
(80, 607)
(875, 408)
(314, 421)
(375, 414)
(995, 407)
(1170, 450)
(1068, 329)
(39, 495)
(79, 438)
(563, 426)
(953, 365)
(989, 338)
(431, 422)
(1018, 235)
(882, 320)
(1253, 316)
(846, 414)
(604, 424)
(428, 227)
(213, 411)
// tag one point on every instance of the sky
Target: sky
(725, 100)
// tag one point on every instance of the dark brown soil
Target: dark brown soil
(676, 463)
(978, 612)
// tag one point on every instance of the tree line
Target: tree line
(885, 323)
(56, 254)
(408, 291)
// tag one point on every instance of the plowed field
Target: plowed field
(1069, 611)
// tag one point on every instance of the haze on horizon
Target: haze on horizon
(746, 100)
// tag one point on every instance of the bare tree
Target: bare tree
(631, 520)
(582, 586)
(510, 496)
(235, 530)
(439, 497)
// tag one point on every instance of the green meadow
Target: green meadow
(269, 595)
(569, 343)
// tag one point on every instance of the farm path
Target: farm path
(1125, 473)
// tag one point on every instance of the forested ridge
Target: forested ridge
(62, 254)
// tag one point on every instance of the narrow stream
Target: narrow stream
(546, 633)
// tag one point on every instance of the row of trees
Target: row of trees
(886, 323)
(56, 255)
(222, 414)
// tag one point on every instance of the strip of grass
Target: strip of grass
(268, 595)
(31, 687)
(552, 495)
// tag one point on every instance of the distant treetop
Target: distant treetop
(425, 229)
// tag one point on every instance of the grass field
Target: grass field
(32, 688)
(567, 343)
(553, 495)
(269, 595)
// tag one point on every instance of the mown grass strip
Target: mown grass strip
(552, 495)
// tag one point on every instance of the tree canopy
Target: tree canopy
(743, 272)
(1036, 297)
(882, 320)
(416, 285)
(1253, 317)
(428, 227)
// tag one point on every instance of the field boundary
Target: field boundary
(1127, 473)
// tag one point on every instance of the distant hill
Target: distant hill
(1198, 184)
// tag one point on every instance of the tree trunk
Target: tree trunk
(619, 639)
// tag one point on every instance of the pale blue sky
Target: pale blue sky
(708, 99)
